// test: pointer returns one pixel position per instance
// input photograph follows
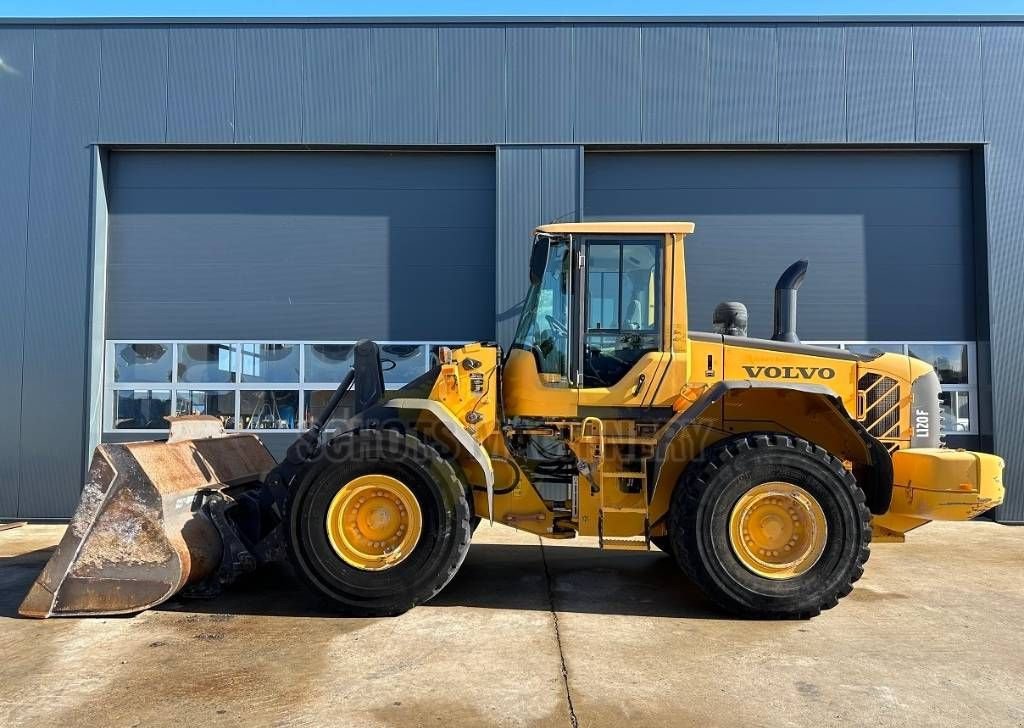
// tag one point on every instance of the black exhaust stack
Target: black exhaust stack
(785, 302)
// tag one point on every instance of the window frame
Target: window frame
(582, 315)
(972, 369)
(110, 387)
(621, 241)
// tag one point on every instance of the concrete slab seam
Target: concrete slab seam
(573, 720)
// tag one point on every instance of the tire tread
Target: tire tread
(392, 441)
(696, 481)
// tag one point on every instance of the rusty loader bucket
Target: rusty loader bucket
(140, 533)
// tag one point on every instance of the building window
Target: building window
(954, 361)
(250, 385)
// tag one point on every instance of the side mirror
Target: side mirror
(539, 258)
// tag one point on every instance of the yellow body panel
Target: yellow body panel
(527, 395)
(765, 365)
(945, 485)
(932, 484)
(471, 394)
(470, 391)
(625, 392)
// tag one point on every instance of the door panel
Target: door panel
(301, 245)
(888, 234)
(622, 323)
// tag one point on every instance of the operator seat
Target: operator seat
(633, 317)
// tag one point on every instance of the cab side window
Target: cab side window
(623, 308)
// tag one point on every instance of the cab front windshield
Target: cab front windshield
(544, 324)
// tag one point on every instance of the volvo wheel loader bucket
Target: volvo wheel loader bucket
(139, 534)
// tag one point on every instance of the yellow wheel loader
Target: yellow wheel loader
(762, 467)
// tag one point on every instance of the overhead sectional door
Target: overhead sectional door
(300, 246)
(888, 234)
(237, 281)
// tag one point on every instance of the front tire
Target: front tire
(770, 526)
(354, 559)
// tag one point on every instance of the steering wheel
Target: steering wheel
(557, 326)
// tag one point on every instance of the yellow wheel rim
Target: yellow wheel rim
(777, 530)
(374, 522)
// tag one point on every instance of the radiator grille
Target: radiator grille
(881, 398)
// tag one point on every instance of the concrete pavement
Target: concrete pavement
(554, 635)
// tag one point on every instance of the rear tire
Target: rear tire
(442, 545)
(713, 554)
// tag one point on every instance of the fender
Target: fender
(875, 474)
(474, 448)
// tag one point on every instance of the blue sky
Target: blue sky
(211, 8)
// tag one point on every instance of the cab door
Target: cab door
(620, 323)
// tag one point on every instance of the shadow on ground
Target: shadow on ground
(494, 576)
(583, 580)
(16, 575)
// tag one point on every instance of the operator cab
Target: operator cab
(599, 311)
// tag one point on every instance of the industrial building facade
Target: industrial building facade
(202, 216)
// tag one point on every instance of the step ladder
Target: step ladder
(613, 517)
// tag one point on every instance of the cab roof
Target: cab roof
(617, 228)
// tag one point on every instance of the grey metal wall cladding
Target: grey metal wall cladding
(1004, 170)
(674, 92)
(615, 83)
(812, 84)
(200, 86)
(742, 79)
(296, 245)
(336, 86)
(471, 85)
(15, 120)
(536, 184)
(539, 82)
(608, 84)
(65, 121)
(403, 66)
(947, 63)
(133, 84)
(888, 234)
(880, 83)
(268, 85)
